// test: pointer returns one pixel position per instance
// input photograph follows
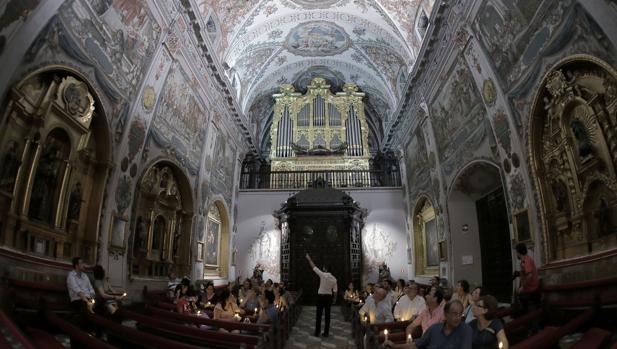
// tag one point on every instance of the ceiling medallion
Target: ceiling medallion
(317, 38)
(315, 3)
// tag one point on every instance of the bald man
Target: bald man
(376, 309)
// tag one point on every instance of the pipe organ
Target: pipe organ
(319, 130)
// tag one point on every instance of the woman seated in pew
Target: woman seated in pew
(488, 332)
(243, 291)
(461, 293)
(252, 301)
(368, 290)
(227, 309)
(475, 297)
(185, 298)
(351, 295)
(399, 290)
(209, 299)
(105, 295)
(279, 301)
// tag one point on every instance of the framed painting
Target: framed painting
(117, 231)
(431, 243)
(213, 239)
(522, 226)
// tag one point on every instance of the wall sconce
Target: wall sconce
(465, 228)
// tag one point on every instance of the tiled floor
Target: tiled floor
(301, 336)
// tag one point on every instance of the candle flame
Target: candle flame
(385, 332)
(500, 345)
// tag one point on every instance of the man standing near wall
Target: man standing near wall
(325, 295)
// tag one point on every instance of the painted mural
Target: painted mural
(179, 119)
(378, 246)
(318, 38)
(386, 60)
(457, 111)
(220, 163)
(265, 250)
(418, 176)
(14, 13)
(118, 35)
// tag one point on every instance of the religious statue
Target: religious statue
(75, 202)
(9, 169)
(258, 272)
(560, 192)
(585, 147)
(384, 272)
(177, 235)
(141, 234)
(44, 187)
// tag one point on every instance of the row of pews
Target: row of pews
(40, 316)
(588, 307)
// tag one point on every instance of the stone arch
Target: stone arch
(163, 195)
(572, 144)
(480, 239)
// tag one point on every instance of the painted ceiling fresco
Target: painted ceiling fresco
(266, 43)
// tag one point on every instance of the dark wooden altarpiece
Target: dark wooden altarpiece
(327, 224)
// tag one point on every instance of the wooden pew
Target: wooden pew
(27, 296)
(14, 332)
(130, 337)
(193, 335)
(77, 335)
(593, 339)
(550, 336)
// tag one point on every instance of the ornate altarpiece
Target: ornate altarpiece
(319, 130)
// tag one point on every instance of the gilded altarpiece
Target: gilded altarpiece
(319, 130)
(573, 139)
(163, 225)
(54, 166)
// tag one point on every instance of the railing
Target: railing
(305, 179)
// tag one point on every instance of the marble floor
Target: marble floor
(302, 333)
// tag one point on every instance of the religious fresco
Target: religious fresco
(220, 163)
(457, 111)
(416, 164)
(319, 38)
(178, 120)
(378, 246)
(265, 251)
(117, 35)
(248, 66)
(388, 62)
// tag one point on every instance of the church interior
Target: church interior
(162, 161)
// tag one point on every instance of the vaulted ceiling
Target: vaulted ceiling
(263, 44)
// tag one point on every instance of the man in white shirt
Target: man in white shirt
(325, 295)
(376, 309)
(390, 295)
(79, 286)
(410, 304)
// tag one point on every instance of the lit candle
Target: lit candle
(198, 312)
(255, 310)
(385, 333)
(500, 345)
(93, 301)
(365, 318)
(408, 338)
(209, 304)
(124, 294)
(241, 300)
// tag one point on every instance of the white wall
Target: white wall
(462, 210)
(384, 234)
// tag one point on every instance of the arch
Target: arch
(571, 139)
(217, 248)
(425, 237)
(73, 115)
(480, 238)
(162, 209)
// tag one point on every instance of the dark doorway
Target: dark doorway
(495, 245)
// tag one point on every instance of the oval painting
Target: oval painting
(317, 38)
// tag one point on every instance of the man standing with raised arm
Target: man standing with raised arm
(325, 295)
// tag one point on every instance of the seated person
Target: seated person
(104, 293)
(185, 298)
(81, 292)
(243, 291)
(268, 313)
(209, 299)
(351, 295)
(171, 285)
(453, 333)
(252, 301)
(409, 305)
(279, 300)
(431, 315)
(487, 329)
(475, 297)
(226, 308)
(461, 293)
(377, 309)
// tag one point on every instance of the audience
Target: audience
(487, 330)
(105, 295)
(80, 290)
(461, 293)
(390, 296)
(243, 291)
(399, 290)
(410, 304)
(209, 298)
(279, 300)
(226, 308)
(351, 294)
(377, 310)
(172, 284)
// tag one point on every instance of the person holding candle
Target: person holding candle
(268, 313)
(226, 308)
(325, 296)
(376, 309)
(487, 329)
(104, 293)
(410, 304)
(432, 314)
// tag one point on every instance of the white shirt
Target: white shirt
(406, 308)
(77, 284)
(390, 298)
(378, 313)
(327, 282)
